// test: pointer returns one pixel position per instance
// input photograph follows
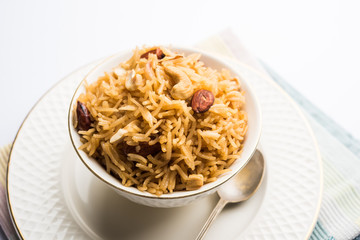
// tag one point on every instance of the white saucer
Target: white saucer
(53, 196)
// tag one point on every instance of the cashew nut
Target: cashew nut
(194, 181)
(130, 128)
(133, 81)
(183, 88)
(130, 84)
(119, 71)
(149, 73)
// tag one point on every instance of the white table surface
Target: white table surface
(314, 45)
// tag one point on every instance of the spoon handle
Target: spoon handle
(219, 206)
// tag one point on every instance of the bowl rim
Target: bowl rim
(176, 194)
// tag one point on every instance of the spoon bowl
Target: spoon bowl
(240, 188)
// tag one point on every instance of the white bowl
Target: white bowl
(179, 198)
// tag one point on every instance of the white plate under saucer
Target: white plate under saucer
(51, 195)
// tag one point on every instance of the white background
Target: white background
(314, 45)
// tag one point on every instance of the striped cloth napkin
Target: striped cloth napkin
(339, 216)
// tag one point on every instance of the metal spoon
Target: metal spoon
(239, 188)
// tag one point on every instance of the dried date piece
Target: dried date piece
(83, 117)
(202, 100)
(145, 148)
(159, 53)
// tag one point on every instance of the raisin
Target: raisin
(83, 117)
(145, 148)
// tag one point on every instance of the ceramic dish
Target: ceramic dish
(52, 195)
(178, 198)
